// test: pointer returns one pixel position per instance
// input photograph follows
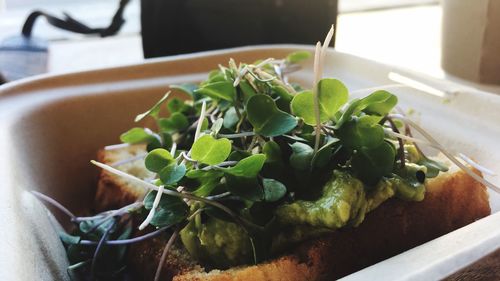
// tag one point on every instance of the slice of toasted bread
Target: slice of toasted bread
(452, 200)
(114, 192)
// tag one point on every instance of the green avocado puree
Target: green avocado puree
(344, 202)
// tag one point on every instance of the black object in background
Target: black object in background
(172, 27)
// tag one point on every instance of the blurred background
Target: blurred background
(398, 32)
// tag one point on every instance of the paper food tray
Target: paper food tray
(51, 126)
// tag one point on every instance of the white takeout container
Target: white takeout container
(51, 126)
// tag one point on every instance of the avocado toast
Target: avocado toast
(253, 177)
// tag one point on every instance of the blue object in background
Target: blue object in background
(22, 56)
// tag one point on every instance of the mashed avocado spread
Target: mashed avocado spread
(344, 202)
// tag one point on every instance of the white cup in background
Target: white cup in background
(471, 40)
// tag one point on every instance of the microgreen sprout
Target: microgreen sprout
(449, 155)
(151, 214)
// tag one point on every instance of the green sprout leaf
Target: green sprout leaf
(379, 103)
(140, 135)
(187, 88)
(346, 112)
(248, 167)
(69, 239)
(171, 210)
(176, 122)
(332, 94)
(177, 105)
(298, 56)
(371, 164)
(172, 173)
(153, 111)
(222, 90)
(272, 151)
(285, 98)
(208, 180)
(266, 118)
(301, 156)
(433, 167)
(230, 118)
(245, 187)
(302, 106)
(247, 90)
(241, 179)
(211, 151)
(323, 155)
(273, 190)
(158, 159)
(362, 132)
(217, 125)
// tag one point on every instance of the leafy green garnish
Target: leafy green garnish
(139, 135)
(248, 167)
(266, 118)
(187, 88)
(158, 159)
(260, 145)
(222, 90)
(273, 190)
(171, 210)
(153, 111)
(362, 132)
(176, 122)
(302, 156)
(298, 56)
(211, 151)
(379, 103)
(370, 164)
(172, 173)
(332, 94)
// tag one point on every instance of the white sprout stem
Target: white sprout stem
(325, 46)
(241, 73)
(152, 212)
(223, 164)
(476, 165)
(238, 135)
(412, 139)
(173, 148)
(151, 186)
(116, 146)
(445, 152)
(131, 159)
(148, 130)
(133, 179)
(277, 69)
(53, 203)
(126, 209)
(186, 157)
(200, 121)
(219, 196)
(264, 62)
(317, 77)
